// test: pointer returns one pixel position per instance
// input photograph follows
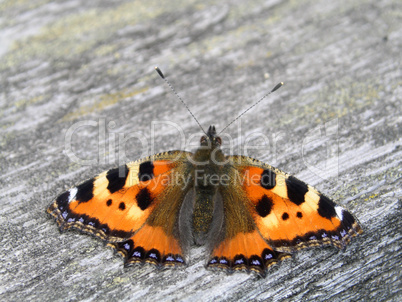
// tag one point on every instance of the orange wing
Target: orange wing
(134, 208)
(271, 214)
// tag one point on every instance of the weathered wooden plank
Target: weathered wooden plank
(335, 124)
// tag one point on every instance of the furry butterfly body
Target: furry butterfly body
(248, 213)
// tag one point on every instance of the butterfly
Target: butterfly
(249, 214)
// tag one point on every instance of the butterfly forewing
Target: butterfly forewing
(290, 214)
(135, 207)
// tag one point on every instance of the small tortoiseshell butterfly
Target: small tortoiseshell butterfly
(250, 214)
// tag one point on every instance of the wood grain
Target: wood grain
(78, 95)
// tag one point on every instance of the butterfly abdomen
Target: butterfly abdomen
(207, 178)
(202, 216)
(205, 185)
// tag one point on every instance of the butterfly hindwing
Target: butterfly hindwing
(239, 245)
(134, 208)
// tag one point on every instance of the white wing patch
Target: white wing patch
(339, 211)
(73, 193)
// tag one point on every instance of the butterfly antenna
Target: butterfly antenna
(255, 104)
(178, 96)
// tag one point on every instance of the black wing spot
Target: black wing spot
(326, 207)
(122, 206)
(268, 179)
(348, 219)
(85, 191)
(146, 171)
(138, 253)
(109, 202)
(144, 199)
(299, 214)
(117, 178)
(255, 262)
(62, 200)
(93, 222)
(153, 255)
(296, 190)
(105, 229)
(239, 261)
(125, 247)
(268, 256)
(264, 206)
(285, 216)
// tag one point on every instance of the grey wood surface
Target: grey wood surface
(78, 75)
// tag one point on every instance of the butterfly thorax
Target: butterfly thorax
(208, 163)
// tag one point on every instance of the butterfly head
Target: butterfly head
(211, 140)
